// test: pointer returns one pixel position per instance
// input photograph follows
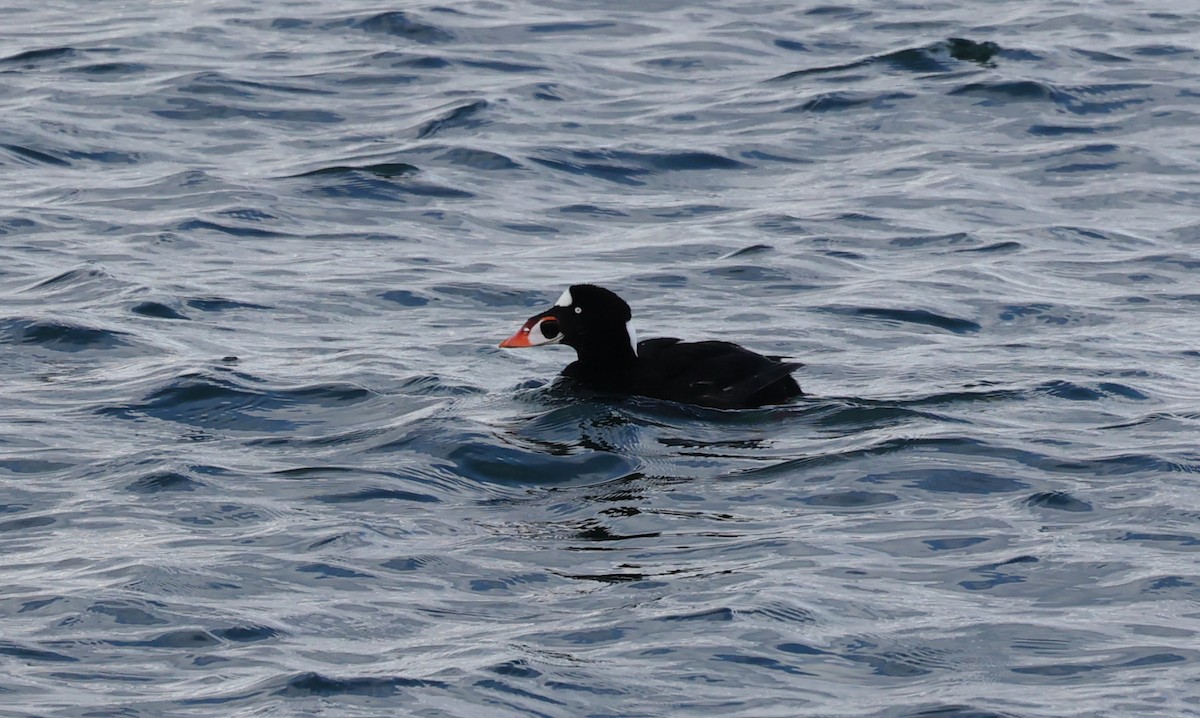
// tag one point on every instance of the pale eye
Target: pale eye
(579, 310)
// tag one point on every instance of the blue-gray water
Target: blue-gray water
(260, 455)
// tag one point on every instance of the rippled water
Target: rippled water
(260, 454)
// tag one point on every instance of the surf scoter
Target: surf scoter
(597, 324)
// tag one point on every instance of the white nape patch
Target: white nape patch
(566, 299)
(632, 336)
(537, 338)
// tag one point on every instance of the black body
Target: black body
(715, 374)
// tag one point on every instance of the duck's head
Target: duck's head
(584, 317)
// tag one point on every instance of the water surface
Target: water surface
(260, 455)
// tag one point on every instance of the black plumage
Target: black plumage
(596, 323)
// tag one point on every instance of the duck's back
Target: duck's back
(717, 374)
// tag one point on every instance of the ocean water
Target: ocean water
(260, 454)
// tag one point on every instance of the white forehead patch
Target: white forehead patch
(566, 299)
(632, 336)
